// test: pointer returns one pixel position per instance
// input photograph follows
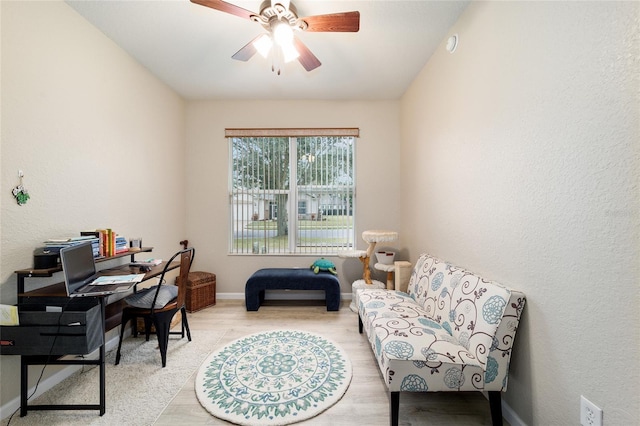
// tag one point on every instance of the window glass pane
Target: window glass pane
(302, 207)
(315, 173)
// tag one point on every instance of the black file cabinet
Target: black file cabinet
(44, 338)
(76, 330)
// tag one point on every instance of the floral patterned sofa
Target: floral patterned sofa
(451, 331)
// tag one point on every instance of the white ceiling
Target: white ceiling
(189, 47)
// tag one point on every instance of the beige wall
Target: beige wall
(100, 141)
(520, 161)
(377, 169)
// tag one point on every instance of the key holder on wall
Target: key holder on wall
(19, 192)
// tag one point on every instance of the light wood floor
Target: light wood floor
(366, 402)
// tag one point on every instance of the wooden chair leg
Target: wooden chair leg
(394, 408)
(185, 323)
(495, 403)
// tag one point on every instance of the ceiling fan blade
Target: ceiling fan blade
(334, 22)
(306, 58)
(247, 51)
(223, 6)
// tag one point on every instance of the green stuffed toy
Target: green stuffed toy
(323, 264)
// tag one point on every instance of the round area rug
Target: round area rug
(273, 378)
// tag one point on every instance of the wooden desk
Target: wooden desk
(113, 310)
(23, 274)
(111, 314)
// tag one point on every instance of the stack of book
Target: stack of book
(109, 243)
(56, 244)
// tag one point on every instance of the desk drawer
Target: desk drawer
(76, 330)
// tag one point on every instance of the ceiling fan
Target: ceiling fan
(280, 19)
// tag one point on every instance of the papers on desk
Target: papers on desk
(9, 315)
(118, 279)
(148, 262)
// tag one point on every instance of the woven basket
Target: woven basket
(201, 290)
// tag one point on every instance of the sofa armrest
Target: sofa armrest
(497, 369)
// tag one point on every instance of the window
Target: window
(309, 172)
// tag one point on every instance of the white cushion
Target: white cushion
(143, 299)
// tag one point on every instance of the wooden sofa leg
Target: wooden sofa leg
(394, 408)
(495, 402)
(360, 325)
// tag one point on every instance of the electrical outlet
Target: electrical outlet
(590, 414)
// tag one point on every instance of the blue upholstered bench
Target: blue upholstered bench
(291, 279)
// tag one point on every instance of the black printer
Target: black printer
(45, 258)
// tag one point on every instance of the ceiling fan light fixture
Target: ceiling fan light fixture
(263, 45)
(282, 33)
(283, 38)
(289, 52)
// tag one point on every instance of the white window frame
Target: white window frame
(292, 205)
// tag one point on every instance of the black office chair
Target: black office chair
(157, 305)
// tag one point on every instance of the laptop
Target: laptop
(79, 269)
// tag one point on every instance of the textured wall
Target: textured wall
(520, 161)
(100, 141)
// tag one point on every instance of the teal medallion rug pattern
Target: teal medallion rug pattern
(273, 378)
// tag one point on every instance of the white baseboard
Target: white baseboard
(284, 295)
(511, 416)
(507, 413)
(230, 296)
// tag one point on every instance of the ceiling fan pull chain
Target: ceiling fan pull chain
(277, 60)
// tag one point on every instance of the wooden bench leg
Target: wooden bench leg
(394, 408)
(360, 325)
(495, 402)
